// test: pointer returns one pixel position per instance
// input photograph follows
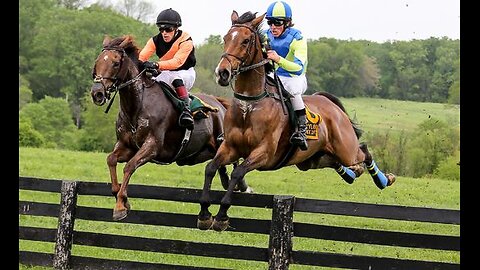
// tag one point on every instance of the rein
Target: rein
(242, 67)
(117, 88)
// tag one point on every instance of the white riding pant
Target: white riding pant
(295, 86)
(187, 76)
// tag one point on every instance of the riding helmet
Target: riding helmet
(279, 10)
(169, 17)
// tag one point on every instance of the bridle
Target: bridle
(116, 79)
(243, 67)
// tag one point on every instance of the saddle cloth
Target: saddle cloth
(313, 121)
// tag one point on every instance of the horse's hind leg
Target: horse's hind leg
(381, 180)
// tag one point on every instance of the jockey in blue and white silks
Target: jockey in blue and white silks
(289, 53)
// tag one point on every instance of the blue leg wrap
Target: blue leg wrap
(347, 174)
(378, 177)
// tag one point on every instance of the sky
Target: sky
(374, 20)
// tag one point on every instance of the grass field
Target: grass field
(377, 115)
(321, 184)
(374, 115)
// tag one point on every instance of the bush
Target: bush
(28, 136)
(449, 169)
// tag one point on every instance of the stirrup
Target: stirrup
(186, 120)
(299, 140)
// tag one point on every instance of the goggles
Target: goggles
(275, 22)
(168, 29)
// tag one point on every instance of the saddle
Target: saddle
(199, 108)
(313, 119)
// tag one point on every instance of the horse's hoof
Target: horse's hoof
(391, 179)
(204, 224)
(119, 215)
(220, 226)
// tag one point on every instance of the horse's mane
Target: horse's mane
(127, 43)
(248, 17)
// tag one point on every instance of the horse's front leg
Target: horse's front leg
(223, 157)
(119, 154)
(225, 179)
(144, 155)
(255, 160)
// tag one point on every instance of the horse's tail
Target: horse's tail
(337, 102)
(224, 101)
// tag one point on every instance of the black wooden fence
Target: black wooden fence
(281, 228)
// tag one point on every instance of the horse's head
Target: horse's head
(112, 67)
(242, 46)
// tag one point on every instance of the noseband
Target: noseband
(243, 67)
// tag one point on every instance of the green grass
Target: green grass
(381, 115)
(320, 184)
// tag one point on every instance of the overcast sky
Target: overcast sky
(375, 20)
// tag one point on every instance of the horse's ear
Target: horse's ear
(258, 20)
(126, 39)
(234, 17)
(106, 41)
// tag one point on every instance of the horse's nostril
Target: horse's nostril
(224, 75)
(99, 95)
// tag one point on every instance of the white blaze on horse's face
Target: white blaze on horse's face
(222, 79)
(234, 34)
(105, 58)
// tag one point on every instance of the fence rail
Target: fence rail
(281, 229)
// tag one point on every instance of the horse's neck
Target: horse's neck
(131, 97)
(251, 82)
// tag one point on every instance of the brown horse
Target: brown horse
(257, 130)
(146, 127)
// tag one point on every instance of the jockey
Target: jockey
(289, 52)
(176, 52)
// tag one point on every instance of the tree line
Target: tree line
(60, 40)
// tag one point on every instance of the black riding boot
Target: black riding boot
(186, 117)
(298, 137)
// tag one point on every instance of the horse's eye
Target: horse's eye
(246, 41)
(116, 64)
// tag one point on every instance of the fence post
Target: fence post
(66, 220)
(281, 233)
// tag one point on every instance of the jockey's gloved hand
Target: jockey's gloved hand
(148, 65)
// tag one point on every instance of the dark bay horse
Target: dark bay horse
(257, 130)
(146, 127)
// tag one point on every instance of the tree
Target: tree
(98, 130)
(52, 118)
(72, 4)
(63, 61)
(24, 92)
(454, 90)
(432, 143)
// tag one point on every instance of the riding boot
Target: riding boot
(299, 137)
(186, 117)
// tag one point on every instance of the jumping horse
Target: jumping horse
(258, 131)
(146, 127)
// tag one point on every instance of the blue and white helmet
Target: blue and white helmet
(279, 10)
